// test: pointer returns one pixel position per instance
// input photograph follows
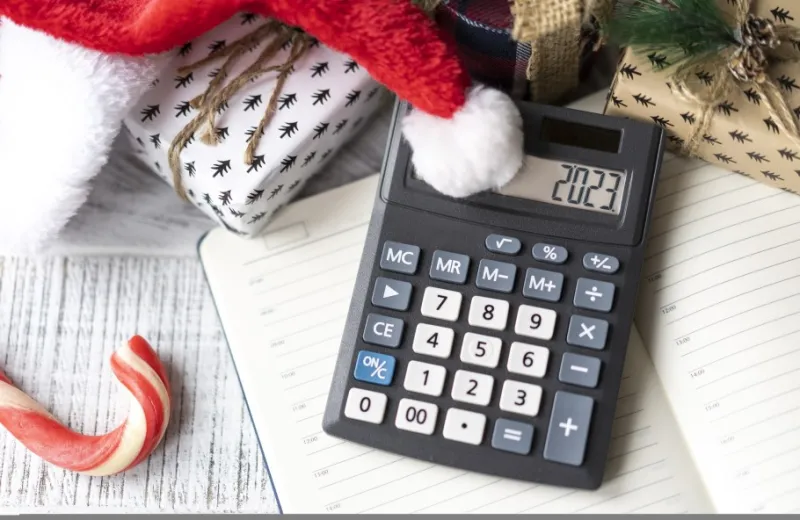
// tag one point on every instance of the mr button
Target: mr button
(449, 267)
(383, 330)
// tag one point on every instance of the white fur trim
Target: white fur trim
(479, 148)
(61, 106)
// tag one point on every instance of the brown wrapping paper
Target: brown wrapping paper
(742, 137)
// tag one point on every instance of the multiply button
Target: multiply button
(449, 267)
(543, 285)
(391, 294)
(383, 330)
(594, 295)
(374, 368)
(549, 253)
(587, 332)
(496, 276)
(600, 263)
(503, 244)
(568, 429)
(400, 258)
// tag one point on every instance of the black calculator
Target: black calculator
(489, 333)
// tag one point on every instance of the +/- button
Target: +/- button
(600, 263)
(594, 295)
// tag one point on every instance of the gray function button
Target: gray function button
(594, 295)
(512, 436)
(399, 257)
(579, 370)
(385, 331)
(600, 263)
(496, 276)
(391, 294)
(543, 285)
(449, 267)
(550, 253)
(568, 429)
(503, 244)
(587, 332)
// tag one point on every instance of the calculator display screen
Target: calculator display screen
(566, 183)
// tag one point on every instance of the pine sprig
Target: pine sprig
(679, 29)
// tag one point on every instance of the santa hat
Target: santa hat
(96, 58)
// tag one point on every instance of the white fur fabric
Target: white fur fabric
(479, 148)
(61, 107)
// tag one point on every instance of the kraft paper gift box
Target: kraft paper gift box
(325, 100)
(742, 136)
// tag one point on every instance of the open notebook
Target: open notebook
(709, 410)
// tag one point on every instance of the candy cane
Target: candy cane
(137, 367)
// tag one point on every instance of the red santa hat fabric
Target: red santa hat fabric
(465, 138)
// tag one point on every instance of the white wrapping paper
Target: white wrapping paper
(323, 103)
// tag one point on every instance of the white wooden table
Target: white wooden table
(127, 265)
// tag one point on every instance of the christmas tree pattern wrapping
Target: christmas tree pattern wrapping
(742, 136)
(325, 100)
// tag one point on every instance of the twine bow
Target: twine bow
(213, 99)
(758, 42)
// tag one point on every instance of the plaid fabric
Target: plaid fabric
(481, 31)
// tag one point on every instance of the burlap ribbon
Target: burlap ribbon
(209, 103)
(760, 43)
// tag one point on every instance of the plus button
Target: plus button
(568, 426)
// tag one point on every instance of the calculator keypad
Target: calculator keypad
(510, 375)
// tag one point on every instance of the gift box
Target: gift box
(751, 129)
(532, 49)
(246, 114)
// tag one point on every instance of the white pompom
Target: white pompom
(479, 148)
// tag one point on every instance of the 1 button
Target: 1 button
(543, 285)
(488, 313)
(587, 332)
(391, 294)
(364, 405)
(424, 378)
(472, 388)
(549, 253)
(464, 426)
(374, 368)
(399, 257)
(528, 360)
(512, 436)
(568, 428)
(579, 370)
(449, 267)
(416, 416)
(477, 349)
(600, 263)
(521, 398)
(496, 276)
(432, 340)
(594, 295)
(503, 244)
(535, 322)
(441, 304)
(385, 331)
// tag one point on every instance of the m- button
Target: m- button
(399, 257)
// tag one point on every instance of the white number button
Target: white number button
(473, 388)
(464, 426)
(535, 322)
(488, 313)
(424, 378)
(521, 398)
(478, 349)
(432, 340)
(364, 405)
(528, 360)
(416, 416)
(441, 304)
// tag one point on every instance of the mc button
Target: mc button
(385, 331)
(399, 257)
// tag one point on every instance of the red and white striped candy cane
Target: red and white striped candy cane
(137, 367)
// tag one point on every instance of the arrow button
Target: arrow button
(391, 294)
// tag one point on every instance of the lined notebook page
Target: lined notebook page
(283, 301)
(720, 314)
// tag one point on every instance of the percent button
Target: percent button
(550, 253)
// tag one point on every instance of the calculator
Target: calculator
(489, 333)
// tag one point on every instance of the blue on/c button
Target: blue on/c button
(374, 368)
